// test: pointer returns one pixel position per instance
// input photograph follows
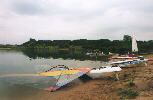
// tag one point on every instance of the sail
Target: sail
(64, 79)
(134, 44)
(52, 79)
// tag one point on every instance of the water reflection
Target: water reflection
(19, 62)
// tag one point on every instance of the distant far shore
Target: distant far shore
(5, 48)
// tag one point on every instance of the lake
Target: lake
(18, 62)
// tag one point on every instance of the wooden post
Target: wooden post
(116, 76)
(145, 63)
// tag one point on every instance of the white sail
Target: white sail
(134, 44)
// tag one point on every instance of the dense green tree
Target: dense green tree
(102, 45)
(127, 38)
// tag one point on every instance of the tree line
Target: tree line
(104, 45)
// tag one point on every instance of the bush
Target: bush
(126, 75)
(128, 93)
(115, 79)
(131, 83)
(134, 71)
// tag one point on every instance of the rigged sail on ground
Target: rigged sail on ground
(134, 44)
(66, 77)
(46, 80)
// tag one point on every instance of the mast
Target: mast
(134, 44)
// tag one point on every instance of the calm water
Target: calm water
(18, 62)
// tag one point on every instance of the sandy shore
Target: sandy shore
(103, 88)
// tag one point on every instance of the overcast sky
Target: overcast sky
(74, 19)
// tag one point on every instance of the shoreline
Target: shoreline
(138, 80)
(103, 88)
(5, 48)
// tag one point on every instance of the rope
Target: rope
(60, 76)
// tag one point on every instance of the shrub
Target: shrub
(128, 93)
(126, 75)
(115, 79)
(131, 83)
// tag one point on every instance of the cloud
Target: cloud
(26, 7)
(74, 19)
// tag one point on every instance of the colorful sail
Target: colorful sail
(64, 79)
(51, 79)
